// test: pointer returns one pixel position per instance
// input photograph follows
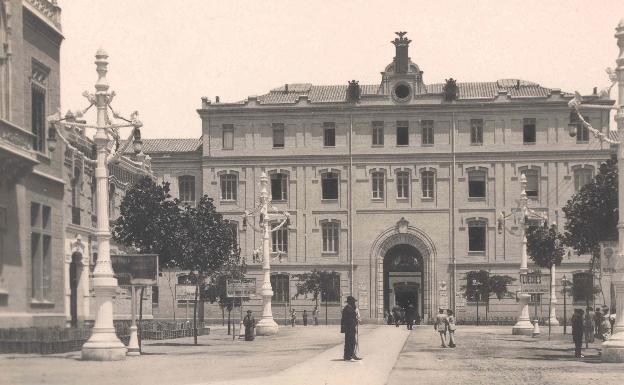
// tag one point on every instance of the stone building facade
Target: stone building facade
(31, 181)
(395, 186)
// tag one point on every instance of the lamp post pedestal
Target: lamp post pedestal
(524, 325)
(613, 348)
(267, 325)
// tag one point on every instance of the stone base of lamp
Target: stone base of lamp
(103, 346)
(133, 344)
(553, 322)
(266, 327)
(524, 325)
(613, 349)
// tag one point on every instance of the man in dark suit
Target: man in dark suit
(348, 326)
(577, 332)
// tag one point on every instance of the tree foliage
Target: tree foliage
(545, 246)
(149, 221)
(318, 283)
(480, 285)
(591, 214)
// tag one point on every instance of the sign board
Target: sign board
(363, 299)
(185, 292)
(135, 269)
(245, 287)
(534, 283)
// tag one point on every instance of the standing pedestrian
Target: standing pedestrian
(590, 327)
(612, 319)
(577, 332)
(410, 315)
(293, 317)
(348, 326)
(451, 327)
(597, 322)
(315, 315)
(250, 323)
(305, 318)
(390, 318)
(356, 351)
(441, 325)
(396, 315)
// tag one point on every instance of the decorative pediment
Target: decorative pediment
(77, 246)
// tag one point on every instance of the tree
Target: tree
(321, 284)
(545, 246)
(480, 285)
(592, 214)
(149, 221)
(207, 246)
(216, 291)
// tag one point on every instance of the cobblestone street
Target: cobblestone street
(312, 355)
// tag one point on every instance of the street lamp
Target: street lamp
(521, 215)
(565, 283)
(103, 344)
(613, 349)
(266, 326)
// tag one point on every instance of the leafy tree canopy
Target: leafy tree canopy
(480, 284)
(591, 214)
(149, 221)
(545, 246)
(318, 283)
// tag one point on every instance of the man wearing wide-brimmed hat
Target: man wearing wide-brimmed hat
(348, 326)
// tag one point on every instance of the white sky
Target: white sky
(165, 55)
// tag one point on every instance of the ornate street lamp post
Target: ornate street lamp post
(266, 326)
(103, 344)
(521, 216)
(565, 283)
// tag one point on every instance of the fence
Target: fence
(62, 340)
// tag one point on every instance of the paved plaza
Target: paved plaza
(313, 355)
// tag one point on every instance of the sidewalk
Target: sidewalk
(380, 348)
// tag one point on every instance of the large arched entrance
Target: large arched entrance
(402, 278)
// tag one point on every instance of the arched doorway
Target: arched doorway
(75, 268)
(403, 278)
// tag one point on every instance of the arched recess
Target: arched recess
(403, 234)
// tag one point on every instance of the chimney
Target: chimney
(401, 58)
(595, 90)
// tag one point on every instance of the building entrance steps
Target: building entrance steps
(379, 347)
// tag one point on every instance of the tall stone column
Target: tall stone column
(523, 326)
(552, 317)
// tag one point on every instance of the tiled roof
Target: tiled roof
(515, 88)
(154, 146)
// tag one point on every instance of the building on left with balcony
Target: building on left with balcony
(31, 180)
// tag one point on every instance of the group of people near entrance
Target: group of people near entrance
(304, 317)
(587, 326)
(403, 315)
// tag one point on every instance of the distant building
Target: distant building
(395, 186)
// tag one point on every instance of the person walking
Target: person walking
(450, 318)
(590, 327)
(396, 315)
(612, 319)
(250, 323)
(390, 318)
(305, 318)
(348, 326)
(597, 322)
(441, 325)
(315, 315)
(577, 332)
(293, 317)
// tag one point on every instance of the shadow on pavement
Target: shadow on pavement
(177, 344)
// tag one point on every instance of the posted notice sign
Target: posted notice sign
(237, 288)
(534, 283)
(135, 269)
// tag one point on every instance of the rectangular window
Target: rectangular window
(278, 135)
(329, 134)
(378, 185)
(330, 233)
(582, 132)
(186, 189)
(330, 288)
(528, 132)
(329, 185)
(403, 184)
(378, 133)
(476, 131)
(280, 286)
(234, 231)
(228, 136)
(41, 251)
(476, 237)
(279, 239)
(582, 177)
(279, 187)
(427, 132)
(38, 96)
(476, 184)
(532, 178)
(402, 133)
(427, 183)
(229, 187)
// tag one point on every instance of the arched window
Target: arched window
(331, 236)
(281, 290)
(378, 180)
(186, 189)
(532, 178)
